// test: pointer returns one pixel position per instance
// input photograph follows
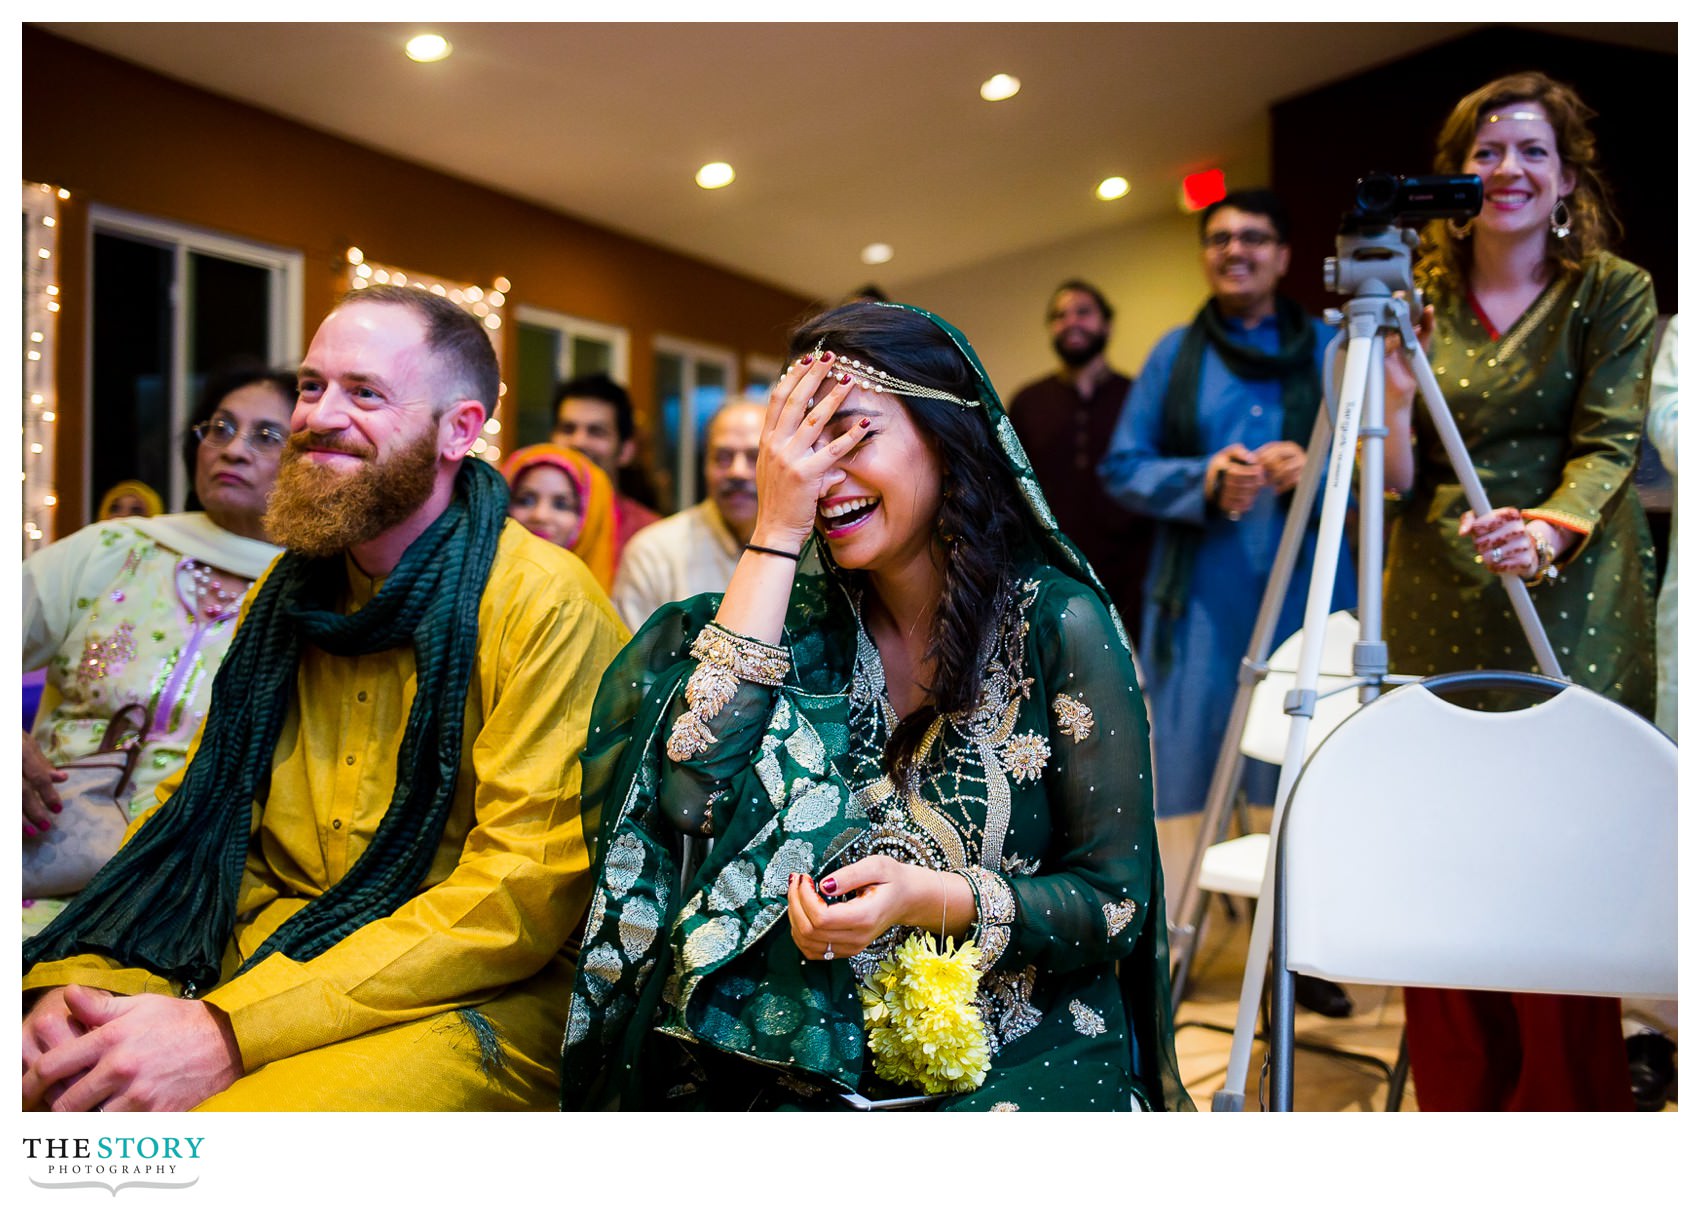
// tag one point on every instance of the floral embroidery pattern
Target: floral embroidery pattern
(1086, 1021)
(1004, 1105)
(1026, 754)
(1118, 914)
(1006, 1006)
(1074, 719)
(104, 657)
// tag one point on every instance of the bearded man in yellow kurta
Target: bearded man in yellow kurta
(358, 893)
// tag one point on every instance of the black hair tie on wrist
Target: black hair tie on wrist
(756, 547)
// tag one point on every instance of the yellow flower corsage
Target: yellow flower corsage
(923, 1026)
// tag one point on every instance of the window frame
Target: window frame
(284, 332)
(688, 472)
(569, 326)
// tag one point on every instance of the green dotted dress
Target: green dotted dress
(1552, 412)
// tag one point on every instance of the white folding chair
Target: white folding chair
(1236, 866)
(1427, 844)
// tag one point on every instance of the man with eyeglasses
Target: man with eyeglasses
(359, 893)
(696, 550)
(1211, 443)
(1064, 422)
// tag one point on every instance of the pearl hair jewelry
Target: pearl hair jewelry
(872, 379)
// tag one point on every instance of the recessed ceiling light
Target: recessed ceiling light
(428, 48)
(1111, 188)
(1000, 88)
(713, 176)
(877, 254)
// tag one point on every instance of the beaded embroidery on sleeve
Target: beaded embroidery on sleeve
(994, 902)
(724, 659)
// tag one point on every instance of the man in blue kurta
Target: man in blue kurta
(1211, 443)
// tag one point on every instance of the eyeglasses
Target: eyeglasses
(1251, 238)
(262, 439)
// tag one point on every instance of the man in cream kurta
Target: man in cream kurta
(695, 551)
(456, 999)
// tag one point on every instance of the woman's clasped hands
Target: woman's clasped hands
(1505, 542)
(879, 893)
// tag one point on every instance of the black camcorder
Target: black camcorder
(1389, 200)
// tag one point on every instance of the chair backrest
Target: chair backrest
(1535, 850)
(1267, 722)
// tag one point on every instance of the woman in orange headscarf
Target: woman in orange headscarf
(129, 499)
(559, 495)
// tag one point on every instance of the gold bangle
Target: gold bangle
(1544, 558)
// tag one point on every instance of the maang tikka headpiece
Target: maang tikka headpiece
(872, 379)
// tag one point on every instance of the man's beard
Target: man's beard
(1076, 356)
(322, 511)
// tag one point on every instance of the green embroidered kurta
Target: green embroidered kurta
(1552, 414)
(1047, 786)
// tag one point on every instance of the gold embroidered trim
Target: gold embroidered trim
(1580, 527)
(724, 659)
(1569, 522)
(1531, 319)
(1074, 718)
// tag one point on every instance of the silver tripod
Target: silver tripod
(1370, 266)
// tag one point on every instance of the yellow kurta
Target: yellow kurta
(371, 1023)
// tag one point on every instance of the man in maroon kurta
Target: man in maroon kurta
(1065, 421)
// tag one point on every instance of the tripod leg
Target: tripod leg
(1301, 702)
(1188, 904)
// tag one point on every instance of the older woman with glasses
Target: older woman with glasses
(131, 617)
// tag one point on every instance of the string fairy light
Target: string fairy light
(484, 302)
(42, 300)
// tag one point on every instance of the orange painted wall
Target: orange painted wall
(118, 135)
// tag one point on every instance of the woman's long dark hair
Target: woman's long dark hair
(980, 526)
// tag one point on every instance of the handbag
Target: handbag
(94, 811)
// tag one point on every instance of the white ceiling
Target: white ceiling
(841, 135)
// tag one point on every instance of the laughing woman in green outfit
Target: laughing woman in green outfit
(912, 731)
(1541, 341)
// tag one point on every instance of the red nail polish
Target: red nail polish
(806, 359)
(845, 378)
(826, 357)
(57, 808)
(866, 422)
(29, 830)
(829, 886)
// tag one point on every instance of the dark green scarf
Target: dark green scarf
(1293, 363)
(167, 901)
